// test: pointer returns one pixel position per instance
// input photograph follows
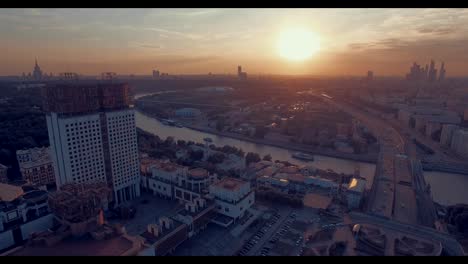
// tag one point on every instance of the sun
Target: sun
(298, 44)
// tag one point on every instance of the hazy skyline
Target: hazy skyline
(198, 41)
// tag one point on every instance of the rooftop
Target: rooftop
(230, 184)
(317, 201)
(357, 185)
(10, 192)
(39, 156)
(151, 239)
(167, 166)
(199, 173)
(297, 177)
(3, 166)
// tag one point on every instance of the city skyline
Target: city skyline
(198, 41)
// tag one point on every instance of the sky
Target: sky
(198, 41)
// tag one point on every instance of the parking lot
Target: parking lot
(285, 231)
(263, 230)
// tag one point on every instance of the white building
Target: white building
(36, 165)
(92, 135)
(187, 113)
(355, 192)
(22, 214)
(173, 181)
(232, 197)
(460, 142)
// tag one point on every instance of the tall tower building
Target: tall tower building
(426, 71)
(37, 73)
(92, 135)
(432, 72)
(442, 72)
(239, 70)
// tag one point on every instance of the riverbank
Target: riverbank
(289, 146)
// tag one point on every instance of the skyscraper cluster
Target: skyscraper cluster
(428, 73)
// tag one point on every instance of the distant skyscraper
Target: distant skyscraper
(240, 73)
(155, 74)
(92, 135)
(426, 71)
(37, 73)
(370, 75)
(432, 72)
(442, 72)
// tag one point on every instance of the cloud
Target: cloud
(176, 33)
(436, 31)
(150, 46)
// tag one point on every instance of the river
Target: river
(155, 127)
(447, 188)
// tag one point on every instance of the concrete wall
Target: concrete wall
(40, 224)
(6, 239)
(160, 188)
(235, 210)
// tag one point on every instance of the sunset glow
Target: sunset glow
(298, 44)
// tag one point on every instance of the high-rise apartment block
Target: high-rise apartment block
(93, 137)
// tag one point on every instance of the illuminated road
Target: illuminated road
(393, 196)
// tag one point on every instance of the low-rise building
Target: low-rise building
(233, 197)
(187, 113)
(164, 237)
(355, 192)
(36, 165)
(3, 173)
(172, 181)
(26, 211)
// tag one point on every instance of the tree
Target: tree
(181, 143)
(251, 157)
(267, 157)
(216, 158)
(196, 155)
(220, 124)
(260, 131)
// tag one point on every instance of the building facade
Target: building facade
(36, 165)
(460, 142)
(92, 134)
(172, 181)
(3, 173)
(233, 197)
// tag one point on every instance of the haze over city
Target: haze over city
(198, 41)
(234, 132)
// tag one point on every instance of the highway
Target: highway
(408, 201)
(448, 242)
